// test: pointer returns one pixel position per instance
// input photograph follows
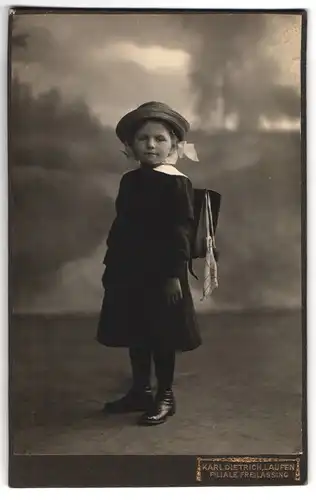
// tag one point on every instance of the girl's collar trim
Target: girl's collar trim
(169, 170)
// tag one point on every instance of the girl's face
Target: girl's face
(153, 143)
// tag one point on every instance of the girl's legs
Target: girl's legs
(139, 397)
(165, 405)
(141, 366)
(164, 362)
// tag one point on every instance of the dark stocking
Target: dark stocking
(164, 368)
(141, 364)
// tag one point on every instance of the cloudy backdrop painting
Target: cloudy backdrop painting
(236, 77)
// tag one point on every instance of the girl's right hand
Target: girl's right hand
(173, 290)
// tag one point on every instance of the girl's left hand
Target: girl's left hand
(173, 290)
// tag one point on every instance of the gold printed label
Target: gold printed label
(248, 468)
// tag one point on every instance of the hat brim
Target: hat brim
(128, 125)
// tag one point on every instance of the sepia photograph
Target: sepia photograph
(157, 247)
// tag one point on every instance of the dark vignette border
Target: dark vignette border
(46, 471)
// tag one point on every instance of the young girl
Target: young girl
(147, 305)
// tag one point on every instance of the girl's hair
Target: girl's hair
(174, 137)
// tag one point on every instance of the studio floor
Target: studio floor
(239, 393)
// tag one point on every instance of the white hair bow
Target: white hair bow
(187, 149)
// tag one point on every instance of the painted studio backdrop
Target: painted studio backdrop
(236, 78)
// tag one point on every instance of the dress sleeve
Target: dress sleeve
(120, 204)
(181, 218)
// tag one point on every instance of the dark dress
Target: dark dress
(148, 243)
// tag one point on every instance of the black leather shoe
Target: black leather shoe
(134, 400)
(163, 407)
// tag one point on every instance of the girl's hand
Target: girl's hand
(173, 290)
